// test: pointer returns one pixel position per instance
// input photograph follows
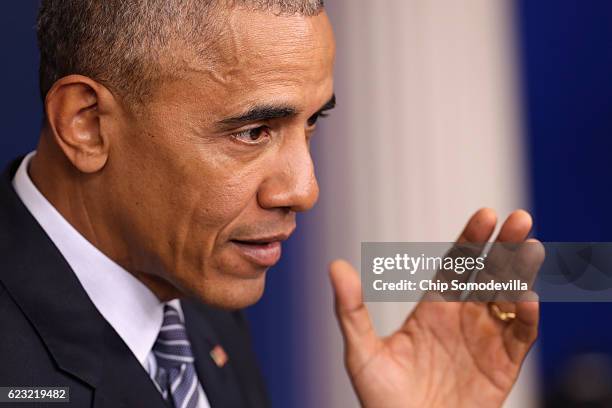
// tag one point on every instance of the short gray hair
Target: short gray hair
(119, 42)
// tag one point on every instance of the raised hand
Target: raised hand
(446, 354)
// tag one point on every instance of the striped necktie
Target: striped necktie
(176, 375)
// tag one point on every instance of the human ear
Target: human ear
(74, 106)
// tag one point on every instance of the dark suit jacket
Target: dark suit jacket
(51, 334)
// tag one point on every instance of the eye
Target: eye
(312, 121)
(253, 136)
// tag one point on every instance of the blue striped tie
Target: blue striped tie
(176, 373)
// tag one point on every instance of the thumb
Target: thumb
(355, 323)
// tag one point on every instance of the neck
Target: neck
(70, 192)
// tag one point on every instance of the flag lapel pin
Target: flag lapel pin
(219, 356)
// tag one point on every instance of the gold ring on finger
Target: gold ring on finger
(500, 314)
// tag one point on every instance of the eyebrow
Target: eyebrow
(269, 112)
(329, 105)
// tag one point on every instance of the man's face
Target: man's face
(207, 183)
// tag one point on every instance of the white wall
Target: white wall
(426, 132)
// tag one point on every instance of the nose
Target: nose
(292, 183)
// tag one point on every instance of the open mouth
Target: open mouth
(261, 252)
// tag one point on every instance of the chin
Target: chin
(232, 293)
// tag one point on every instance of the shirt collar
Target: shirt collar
(127, 304)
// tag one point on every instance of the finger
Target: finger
(470, 243)
(524, 266)
(522, 332)
(516, 227)
(352, 314)
(499, 264)
(529, 260)
(479, 228)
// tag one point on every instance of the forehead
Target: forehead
(259, 56)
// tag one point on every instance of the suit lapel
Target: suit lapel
(80, 340)
(220, 383)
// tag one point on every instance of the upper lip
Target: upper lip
(283, 236)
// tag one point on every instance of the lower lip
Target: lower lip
(261, 254)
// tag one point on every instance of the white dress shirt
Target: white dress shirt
(127, 304)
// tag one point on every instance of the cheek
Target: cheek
(189, 194)
(213, 196)
(216, 208)
(216, 203)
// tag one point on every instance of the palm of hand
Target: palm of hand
(475, 362)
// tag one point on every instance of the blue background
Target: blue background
(20, 104)
(566, 58)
